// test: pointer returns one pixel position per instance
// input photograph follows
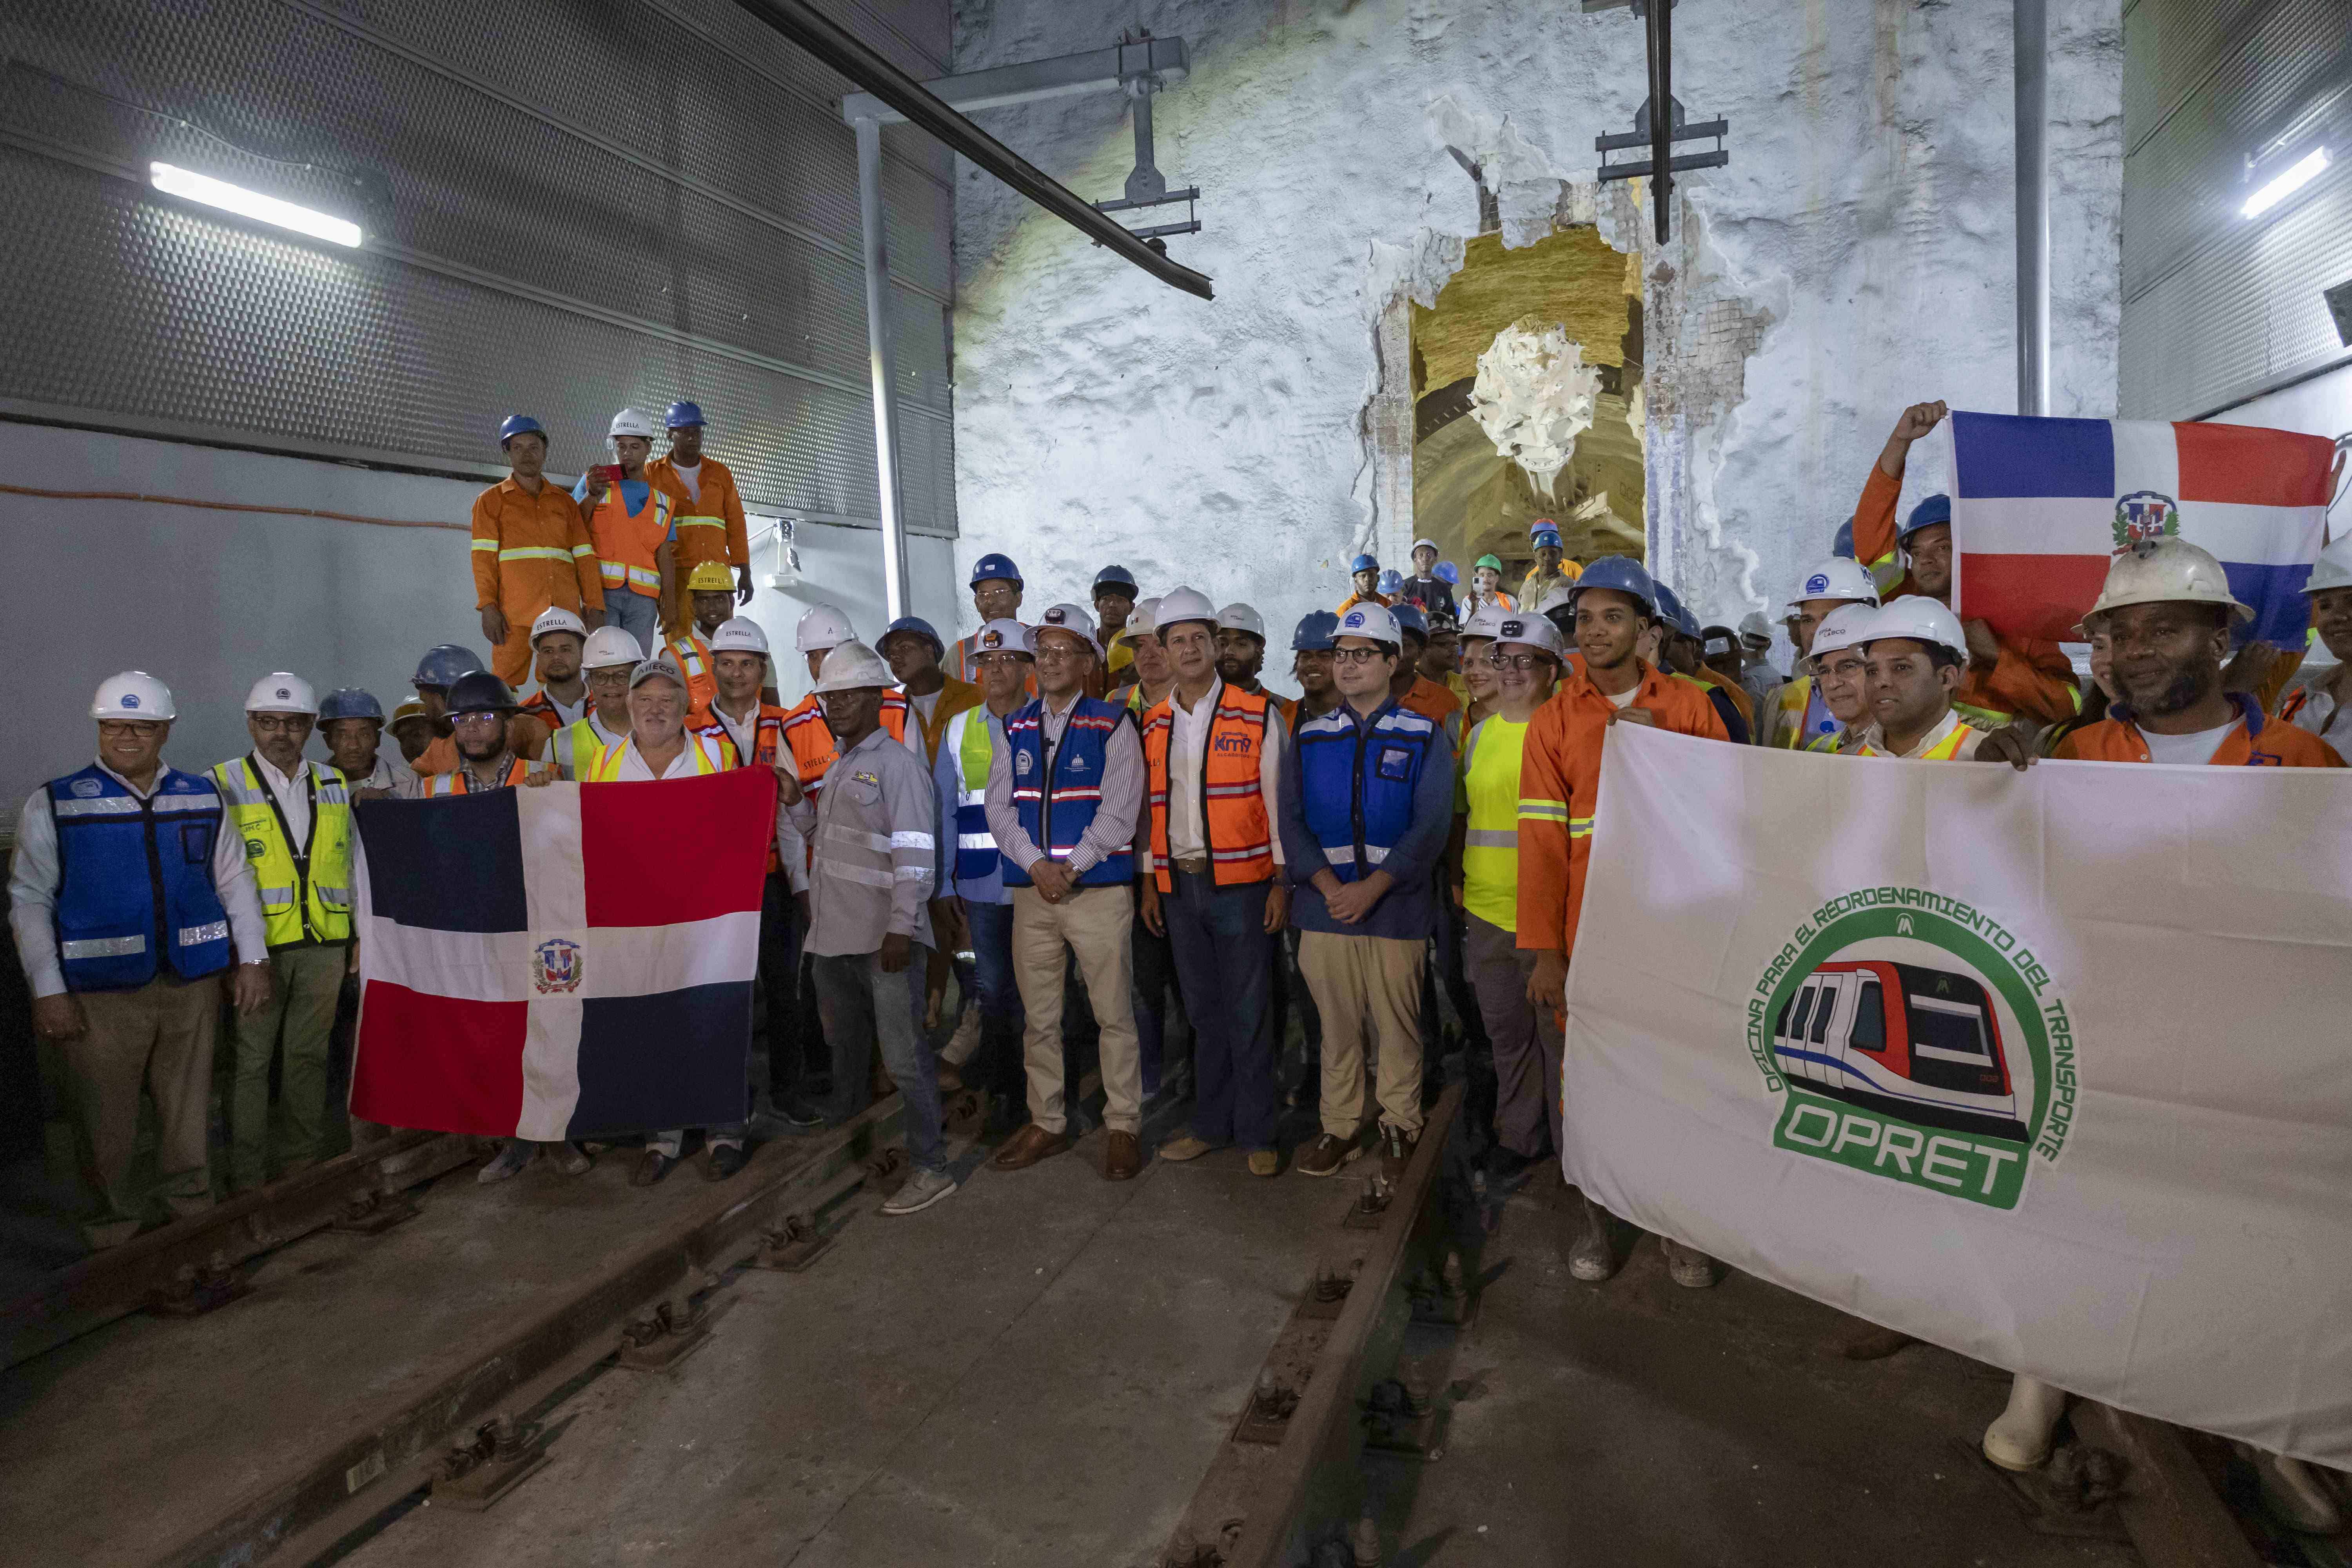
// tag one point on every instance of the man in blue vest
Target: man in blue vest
(1367, 803)
(128, 898)
(1063, 797)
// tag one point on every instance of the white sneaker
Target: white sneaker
(2295, 1493)
(511, 1159)
(2020, 1438)
(923, 1189)
(966, 1038)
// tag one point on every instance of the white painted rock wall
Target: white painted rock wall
(1865, 220)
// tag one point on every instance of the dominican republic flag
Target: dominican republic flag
(2041, 506)
(567, 962)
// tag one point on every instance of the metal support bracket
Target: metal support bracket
(472, 1476)
(664, 1337)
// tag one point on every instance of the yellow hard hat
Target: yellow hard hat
(710, 577)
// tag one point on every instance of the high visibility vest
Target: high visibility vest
(767, 746)
(1056, 811)
(306, 893)
(576, 748)
(1942, 751)
(135, 880)
(462, 780)
(1356, 783)
(810, 738)
(693, 655)
(626, 542)
(1490, 851)
(708, 759)
(973, 746)
(1234, 826)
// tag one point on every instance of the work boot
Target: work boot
(1265, 1163)
(1028, 1146)
(2296, 1494)
(1687, 1266)
(1187, 1146)
(1592, 1259)
(1327, 1154)
(964, 1041)
(1396, 1151)
(723, 1161)
(921, 1190)
(1122, 1156)
(571, 1160)
(2020, 1438)
(510, 1161)
(652, 1166)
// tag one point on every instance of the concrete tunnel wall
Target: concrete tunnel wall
(1856, 255)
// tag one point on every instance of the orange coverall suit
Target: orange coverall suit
(2256, 741)
(530, 552)
(710, 527)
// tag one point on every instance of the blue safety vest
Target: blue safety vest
(1356, 782)
(1055, 813)
(135, 880)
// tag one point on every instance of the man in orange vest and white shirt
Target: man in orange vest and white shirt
(631, 520)
(707, 508)
(532, 551)
(1212, 767)
(820, 630)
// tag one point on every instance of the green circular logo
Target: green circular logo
(1911, 1036)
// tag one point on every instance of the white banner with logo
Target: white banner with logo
(2053, 1069)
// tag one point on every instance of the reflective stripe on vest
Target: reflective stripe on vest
(1056, 812)
(607, 769)
(306, 893)
(975, 751)
(1942, 751)
(462, 780)
(1356, 782)
(135, 890)
(1235, 829)
(628, 557)
(1490, 849)
(531, 552)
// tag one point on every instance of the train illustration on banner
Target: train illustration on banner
(1901, 1039)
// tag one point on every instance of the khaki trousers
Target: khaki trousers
(1366, 986)
(305, 983)
(161, 1036)
(1094, 923)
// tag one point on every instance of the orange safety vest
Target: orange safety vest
(810, 738)
(462, 782)
(693, 655)
(625, 542)
(1234, 820)
(767, 746)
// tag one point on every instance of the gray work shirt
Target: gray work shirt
(874, 835)
(1112, 831)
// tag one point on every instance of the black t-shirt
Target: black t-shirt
(1430, 594)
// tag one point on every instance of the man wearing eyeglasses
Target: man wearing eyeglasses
(996, 594)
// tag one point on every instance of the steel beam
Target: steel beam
(1064, 76)
(2031, 26)
(882, 356)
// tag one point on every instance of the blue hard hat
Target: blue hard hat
(1671, 611)
(1624, 575)
(1842, 542)
(1447, 573)
(681, 415)
(1409, 618)
(998, 567)
(443, 664)
(1392, 580)
(521, 425)
(1543, 536)
(913, 623)
(350, 702)
(1363, 564)
(1317, 632)
(1115, 577)
(1934, 509)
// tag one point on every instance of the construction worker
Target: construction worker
(1392, 585)
(2322, 706)
(2168, 613)
(1365, 570)
(1486, 587)
(707, 506)
(1114, 596)
(996, 594)
(1415, 690)
(967, 753)
(1311, 644)
(611, 657)
(874, 835)
(1153, 987)
(479, 708)
(559, 641)
(1560, 777)
(1673, 643)
(435, 673)
(1550, 571)
(411, 730)
(1521, 1072)
(532, 551)
(351, 722)
(1240, 650)
(1481, 678)
(821, 629)
(1153, 677)
(1367, 801)
(2007, 678)
(1063, 799)
(1441, 660)
(1426, 587)
(632, 523)
(1840, 676)
(1757, 671)
(913, 651)
(712, 592)
(294, 818)
(1720, 651)
(1797, 719)
(1212, 754)
(112, 863)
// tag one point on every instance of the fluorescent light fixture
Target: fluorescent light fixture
(251, 204)
(2287, 184)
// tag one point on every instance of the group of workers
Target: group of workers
(1108, 790)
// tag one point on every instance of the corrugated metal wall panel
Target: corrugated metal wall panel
(625, 202)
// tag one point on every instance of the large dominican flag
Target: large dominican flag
(2041, 506)
(564, 961)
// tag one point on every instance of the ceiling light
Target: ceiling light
(2287, 184)
(252, 204)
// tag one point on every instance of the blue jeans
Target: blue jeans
(992, 954)
(1224, 962)
(640, 614)
(1153, 980)
(861, 1004)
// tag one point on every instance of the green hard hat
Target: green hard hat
(1490, 562)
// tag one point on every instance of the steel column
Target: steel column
(883, 363)
(2031, 25)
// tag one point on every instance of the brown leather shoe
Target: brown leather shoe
(1028, 1146)
(1122, 1156)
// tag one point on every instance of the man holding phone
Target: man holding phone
(630, 521)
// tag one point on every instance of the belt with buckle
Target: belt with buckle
(1193, 865)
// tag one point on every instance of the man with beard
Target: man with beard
(1241, 648)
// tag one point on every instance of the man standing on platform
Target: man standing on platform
(532, 551)
(996, 594)
(632, 527)
(708, 506)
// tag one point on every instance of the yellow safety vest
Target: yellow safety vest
(576, 748)
(607, 769)
(306, 897)
(1489, 793)
(1942, 751)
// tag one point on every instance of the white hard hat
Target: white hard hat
(1841, 629)
(739, 634)
(1424, 544)
(556, 618)
(1754, 625)
(1002, 637)
(850, 666)
(1531, 631)
(1071, 618)
(133, 694)
(1371, 621)
(280, 692)
(1839, 577)
(1917, 618)
(1240, 617)
(634, 422)
(1486, 621)
(1144, 621)
(2162, 570)
(2333, 569)
(609, 646)
(821, 628)
(1183, 605)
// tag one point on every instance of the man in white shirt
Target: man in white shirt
(351, 722)
(610, 662)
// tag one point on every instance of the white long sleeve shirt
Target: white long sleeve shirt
(36, 878)
(1188, 743)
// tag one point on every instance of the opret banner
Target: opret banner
(2051, 1068)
